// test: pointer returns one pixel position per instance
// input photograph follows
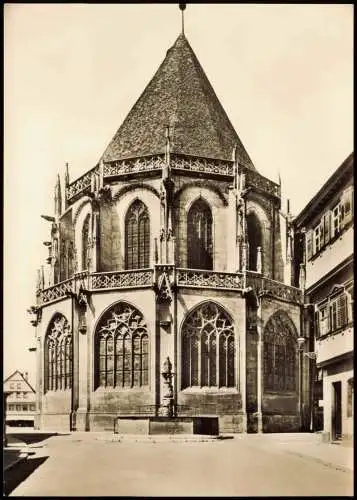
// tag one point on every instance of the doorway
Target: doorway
(336, 427)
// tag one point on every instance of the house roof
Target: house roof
(179, 95)
(341, 175)
(17, 372)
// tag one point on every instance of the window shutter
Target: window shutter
(327, 226)
(317, 324)
(346, 206)
(342, 310)
(309, 245)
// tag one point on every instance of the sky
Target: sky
(283, 73)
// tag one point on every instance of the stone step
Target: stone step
(158, 438)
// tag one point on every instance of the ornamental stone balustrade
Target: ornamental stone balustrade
(178, 163)
(267, 286)
(195, 278)
(181, 278)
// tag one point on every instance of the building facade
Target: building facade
(172, 245)
(327, 227)
(20, 400)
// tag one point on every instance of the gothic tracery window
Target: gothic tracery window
(280, 354)
(199, 236)
(254, 240)
(137, 236)
(208, 348)
(122, 348)
(85, 244)
(58, 355)
(70, 259)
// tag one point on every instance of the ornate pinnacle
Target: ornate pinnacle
(58, 197)
(66, 175)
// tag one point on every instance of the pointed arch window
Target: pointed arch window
(199, 236)
(70, 259)
(122, 348)
(254, 240)
(137, 236)
(280, 354)
(208, 348)
(85, 243)
(58, 355)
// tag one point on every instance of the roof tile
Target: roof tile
(181, 96)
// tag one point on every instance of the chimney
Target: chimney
(26, 376)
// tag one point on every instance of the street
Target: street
(84, 464)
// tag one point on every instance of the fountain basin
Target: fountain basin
(132, 424)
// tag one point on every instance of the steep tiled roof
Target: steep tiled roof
(181, 96)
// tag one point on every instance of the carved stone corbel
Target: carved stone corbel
(35, 314)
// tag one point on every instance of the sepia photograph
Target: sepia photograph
(178, 250)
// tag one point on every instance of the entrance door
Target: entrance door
(336, 411)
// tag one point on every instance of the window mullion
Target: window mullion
(209, 359)
(226, 360)
(199, 360)
(217, 359)
(132, 361)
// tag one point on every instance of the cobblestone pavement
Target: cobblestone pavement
(89, 464)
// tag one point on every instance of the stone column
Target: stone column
(39, 383)
(259, 260)
(94, 242)
(259, 368)
(243, 374)
(232, 231)
(75, 365)
(83, 333)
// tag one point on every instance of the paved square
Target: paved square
(86, 464)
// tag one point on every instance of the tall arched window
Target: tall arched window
(122, 348)
(199, 236)
(63, 261)
(137, 236)
(85, 243)
(254, 240)
(58, 355)
(280, 354)
(70, 259)
(208, 348)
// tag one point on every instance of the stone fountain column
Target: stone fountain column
(167, 405)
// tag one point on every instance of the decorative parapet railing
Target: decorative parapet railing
(81, 184)
(58, 291)
(196, 164)
(133, 165)
(178, 162)
(255, 180)
(97, 281)
(267, 286)
(191, 278)
(194, 278)
(122, 279)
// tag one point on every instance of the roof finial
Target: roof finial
(182, 8)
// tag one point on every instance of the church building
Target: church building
(172, 246)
